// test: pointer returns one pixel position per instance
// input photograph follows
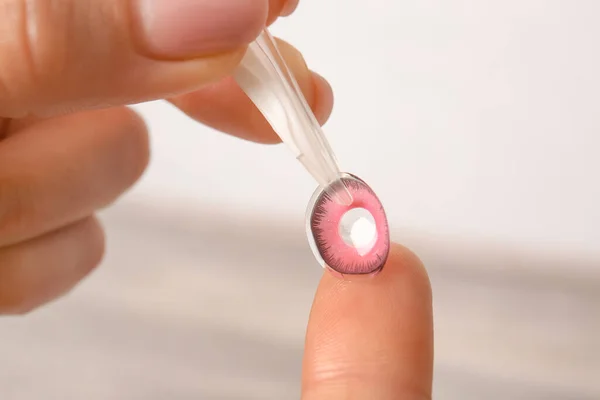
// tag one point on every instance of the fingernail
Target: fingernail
(193, 28)
(289, 7)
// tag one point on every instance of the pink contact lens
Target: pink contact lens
(350, 239)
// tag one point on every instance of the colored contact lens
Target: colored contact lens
(350, 239)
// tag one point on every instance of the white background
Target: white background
(471, 118)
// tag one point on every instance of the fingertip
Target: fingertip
(372, 337)
(280, 8)
(316, 89)
(324, 98)
(297, 64)
(289, 7)
(402, 267)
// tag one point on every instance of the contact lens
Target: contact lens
(351, 239)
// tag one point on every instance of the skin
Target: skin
(63, 93)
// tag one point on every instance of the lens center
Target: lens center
(357, 229)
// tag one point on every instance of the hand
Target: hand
(60, 161)
(68, 147)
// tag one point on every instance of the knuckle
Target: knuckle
(23, 54)
(44, 46)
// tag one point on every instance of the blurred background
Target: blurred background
(478, 124)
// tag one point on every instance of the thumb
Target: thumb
(59, 55)
(371, 338)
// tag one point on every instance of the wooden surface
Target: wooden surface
(205, 305)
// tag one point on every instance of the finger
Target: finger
(289, 7)
(40, 270)
(60, 55)
(371, 339)
(60, 170)
(225, 107)
(280, 8)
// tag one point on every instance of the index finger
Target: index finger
(372, 338)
